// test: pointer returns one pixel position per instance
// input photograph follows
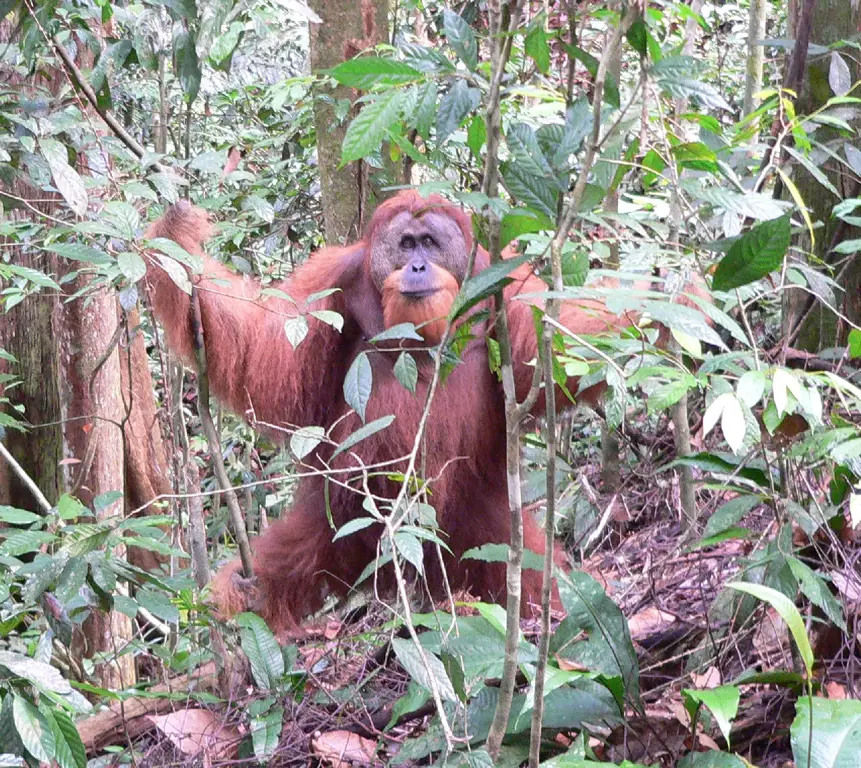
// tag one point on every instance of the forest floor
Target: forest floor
(664, 590)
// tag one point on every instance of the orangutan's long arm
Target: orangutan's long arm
(252, 364)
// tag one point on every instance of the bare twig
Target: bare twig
(25, 478)
(213, 440)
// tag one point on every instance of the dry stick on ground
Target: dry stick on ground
(128, 719)
(212, 439)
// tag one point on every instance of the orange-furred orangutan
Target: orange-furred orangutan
(408, 268)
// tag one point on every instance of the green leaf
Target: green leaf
(728, 514)
(814, 588)
(424, 674)
(410, 548)
(757, 205)
(848, 246)
(296, 329)
(682, 318)
(686, 88)
(536, 46)
(366, 72)
(87, 537)
(832, 739)
(722, 701)
(813, 170)
(524, 147)
(265, 732)
(68, 507)
(225, 44)
(31, 275)
(498, 553)
(754, 255)
(366, 132)
(476, 135)
(33, 729)
(461, 38)
(187, 65)
(710, 759)
(79, 252)
(24, 542)
(710, 462)
(456, 104)
(484, 284)
(609, 648)
(751, 387)
(114, 54)
(330, 317)
(787, 611)
(522, 221)
(854, 343)
(358, 384)
(40, 674)
(262, 208)
(637, 37)
(158, 604)
(406, 371)
(536, 191)
(15, 516)
(839, 76)
(354, 525)
(68, 182)
(262, 650)
(696, 156)
(425, 110)
(69, 750)
(363, 433)
(305, 439)
(131, 265)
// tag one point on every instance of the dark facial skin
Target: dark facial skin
(415, 245)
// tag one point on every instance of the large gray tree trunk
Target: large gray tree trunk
(348, 26)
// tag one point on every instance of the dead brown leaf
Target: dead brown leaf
(649, 621)
(709, 679)
(198, 730)
(835, 691)
(340, 749)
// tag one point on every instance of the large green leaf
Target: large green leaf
(262, 650)
(461, 38)
(368, 71)
(369, 128)
(457, 103)
(833, 739)
(358, 384)
(187, 64)
(753, 255)
(608, 649)
(66, 178)
(484, 284)
(427, 672)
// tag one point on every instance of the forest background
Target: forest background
(712, 510)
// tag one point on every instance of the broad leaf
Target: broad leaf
(754, 255)
(369, 128)
(358, 384)
(368, 71)
(461, 38)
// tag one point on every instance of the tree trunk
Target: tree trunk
(819, 327)
(147, 472)
(29, 332)
(755, 54)
(91, 374)
(347, 27)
